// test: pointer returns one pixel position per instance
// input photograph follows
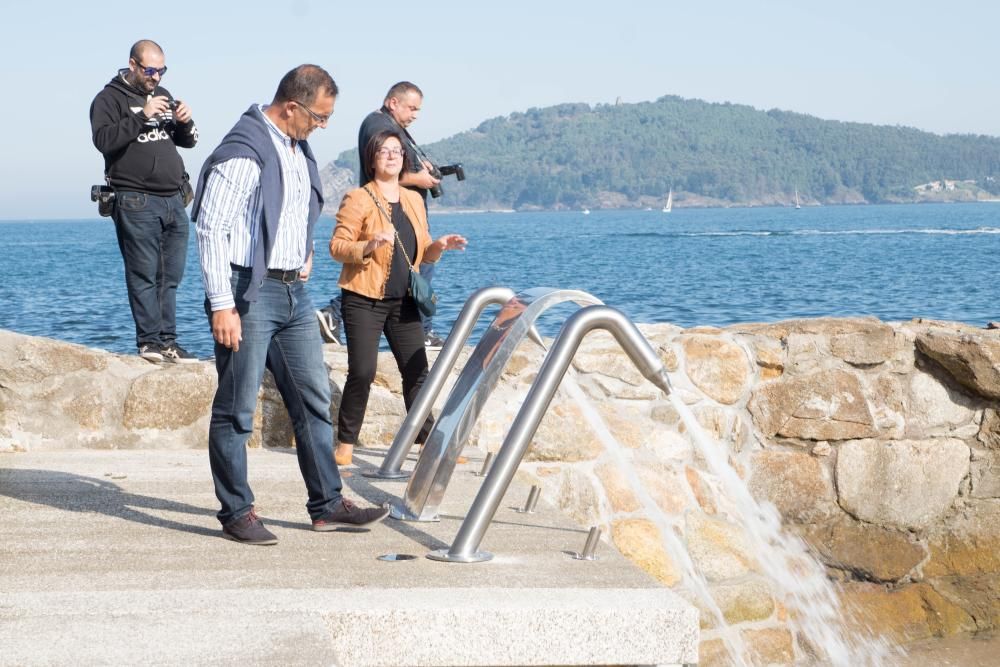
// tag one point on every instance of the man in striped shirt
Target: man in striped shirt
(258, 199)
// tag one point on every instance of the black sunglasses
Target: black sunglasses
(150, 71)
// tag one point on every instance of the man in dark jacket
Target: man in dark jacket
(137, 125)
(400, 109)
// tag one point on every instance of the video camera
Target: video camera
(446, 170)
(104, 195)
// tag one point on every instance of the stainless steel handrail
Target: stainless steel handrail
(474, 306)
(434, 468)
(465, 548)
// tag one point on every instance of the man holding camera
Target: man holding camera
(399, 110)
(137, 125)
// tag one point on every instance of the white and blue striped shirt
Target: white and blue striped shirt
(228, 223)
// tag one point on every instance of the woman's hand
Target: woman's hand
(447, 242)
(380, 239)
(452, 242)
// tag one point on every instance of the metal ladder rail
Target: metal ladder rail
(465, 548)
(432, 472)
(474, 306)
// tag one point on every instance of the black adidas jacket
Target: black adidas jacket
(139, 153)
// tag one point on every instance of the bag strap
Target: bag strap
(389, 220)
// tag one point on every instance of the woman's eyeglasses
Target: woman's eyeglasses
(389, 152)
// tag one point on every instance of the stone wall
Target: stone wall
(878, 443)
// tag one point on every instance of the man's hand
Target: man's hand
(182, 113)
(156, 105)
(227, 328)
(420, 179)
(306, 269)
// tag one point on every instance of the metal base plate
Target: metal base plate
(392, 558)
(400, 514)
(474, 557)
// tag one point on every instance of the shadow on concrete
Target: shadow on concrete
(361, 486)
(357, 484)
(77, 493)
(364, 487)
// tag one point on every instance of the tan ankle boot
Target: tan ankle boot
(344, 454)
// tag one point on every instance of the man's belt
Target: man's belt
(285, 276)
(288, 277)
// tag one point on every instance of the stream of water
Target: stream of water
(796, 577)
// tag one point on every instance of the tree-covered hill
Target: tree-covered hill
(630, 155)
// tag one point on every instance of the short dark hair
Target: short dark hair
(303, 84)
(373, 146)
(135, 53)
(401, 88)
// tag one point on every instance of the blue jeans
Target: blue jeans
(153, 237)
(279, 333)
(426, 270)
(365, 320)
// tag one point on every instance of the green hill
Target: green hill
(630, 155)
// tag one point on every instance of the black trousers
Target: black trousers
(365, 320)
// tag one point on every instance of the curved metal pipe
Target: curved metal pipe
(474, 306)
(468, 396)
(465, 548)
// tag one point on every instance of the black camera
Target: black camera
(104, 195)
(456, 169)
(446, 170)
(169, 117)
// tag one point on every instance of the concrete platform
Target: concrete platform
(115, 557)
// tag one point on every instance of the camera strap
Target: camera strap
(409, 140)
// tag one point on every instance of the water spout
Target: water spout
(797, 576)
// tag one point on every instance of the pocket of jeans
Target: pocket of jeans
(132, 201)
(239, 282)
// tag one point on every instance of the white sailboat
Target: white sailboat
(669, 206)
(797, 204)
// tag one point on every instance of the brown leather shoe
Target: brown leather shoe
(344, 454)
(346, 513)
(249, 529)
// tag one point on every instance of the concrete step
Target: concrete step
(115, 557)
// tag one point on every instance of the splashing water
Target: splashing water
(671, 542)
(798, 577)
(795, 575)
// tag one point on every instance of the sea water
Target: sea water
(65, 280)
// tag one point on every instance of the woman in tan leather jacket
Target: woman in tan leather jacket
(373, 222)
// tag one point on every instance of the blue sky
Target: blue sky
(929, 65)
